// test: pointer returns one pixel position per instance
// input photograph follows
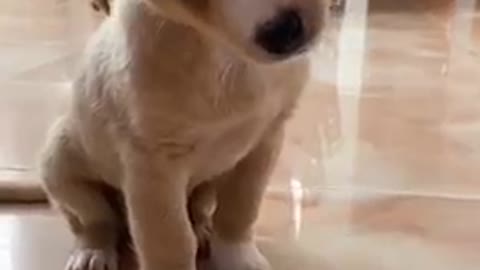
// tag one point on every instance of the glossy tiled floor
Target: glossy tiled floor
(382, 165)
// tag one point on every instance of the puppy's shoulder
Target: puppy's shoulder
(104, 54)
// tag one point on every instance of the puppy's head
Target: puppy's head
(262, 30)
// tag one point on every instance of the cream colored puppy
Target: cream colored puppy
(176, 97)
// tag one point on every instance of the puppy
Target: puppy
(178, 104)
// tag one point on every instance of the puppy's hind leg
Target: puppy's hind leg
(201, 205)
(92, 219)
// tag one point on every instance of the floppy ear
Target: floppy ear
(101, 5)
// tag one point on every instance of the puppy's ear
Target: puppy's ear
(101, 5)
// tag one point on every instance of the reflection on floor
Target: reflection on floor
(380, 170)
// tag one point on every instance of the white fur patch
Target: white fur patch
(237, 256)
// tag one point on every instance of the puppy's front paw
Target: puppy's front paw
(237, 256)
(92, 259)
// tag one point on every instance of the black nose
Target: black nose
(283, 35)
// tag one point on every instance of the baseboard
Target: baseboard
(21, 192)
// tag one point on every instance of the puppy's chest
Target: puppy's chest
(207, 138)
(211, 127)
(219, 150)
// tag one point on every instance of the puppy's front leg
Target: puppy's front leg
(239, 196)
(157, 207)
